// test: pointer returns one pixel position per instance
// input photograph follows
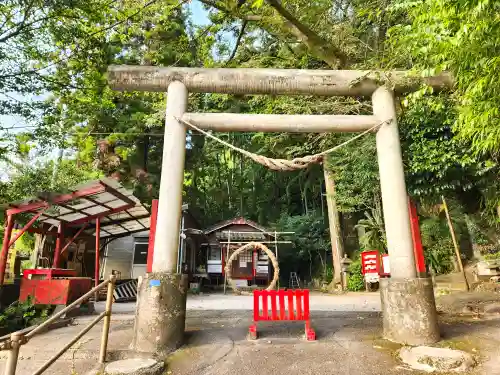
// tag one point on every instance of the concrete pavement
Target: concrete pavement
(216, 327)
(353, 302)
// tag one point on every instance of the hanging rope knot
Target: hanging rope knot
(282, 164)
(286, 165)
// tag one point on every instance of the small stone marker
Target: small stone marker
(431, 359)
(135, 366)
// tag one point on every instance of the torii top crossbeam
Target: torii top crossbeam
(270, 81)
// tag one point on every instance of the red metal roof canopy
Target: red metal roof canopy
(119, 211)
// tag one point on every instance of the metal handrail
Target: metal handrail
(19, 338)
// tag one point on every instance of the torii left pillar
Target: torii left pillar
(161, 300)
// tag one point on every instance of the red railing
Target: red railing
(281, 305)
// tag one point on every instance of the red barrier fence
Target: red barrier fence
(281, 305)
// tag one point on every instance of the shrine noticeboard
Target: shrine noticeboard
(370, 262)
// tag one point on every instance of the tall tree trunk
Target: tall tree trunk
(55, 169)
(254, 192)
(241, 187)
(303, 194)
(228, 177)
(334, 225)
(232, 164)
(321, 200)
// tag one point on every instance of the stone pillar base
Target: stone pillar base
(409, 311)
(160, 315)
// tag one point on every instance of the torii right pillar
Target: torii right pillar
(408, 305)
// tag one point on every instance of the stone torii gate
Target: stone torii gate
(408, 306)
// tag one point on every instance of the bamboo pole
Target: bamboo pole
(47, 364)
(227, 257)
(455, 244)
(107, 319)
(276, 249)
(334, 226)
(12, 358)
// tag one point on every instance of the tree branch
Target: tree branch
(21, 25)
(221, 8)
(78, 46)
(319, 47)
(20, 28)
(238, 40)
(332, 55)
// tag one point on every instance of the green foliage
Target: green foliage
(461, 37)
(20, 315)
(63, 52)
(327, 274)
(356, 281)
(26, 180)
(492, 256)
(310, 246)
(437, 161)
(437, 243)
(29, 179)
(355, 171)
(374, 232)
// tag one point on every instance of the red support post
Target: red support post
(97, 244)
(5, 246)
(418, 249)
(152, 234)
(25, 228)
(57, 250)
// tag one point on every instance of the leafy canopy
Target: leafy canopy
(462, 36)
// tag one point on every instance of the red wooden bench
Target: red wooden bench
(281, 305)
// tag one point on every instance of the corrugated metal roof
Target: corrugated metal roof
(119, 211)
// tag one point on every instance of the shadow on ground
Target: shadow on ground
(216, 343)
(348, 343)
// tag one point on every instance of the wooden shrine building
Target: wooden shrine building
(250, 268)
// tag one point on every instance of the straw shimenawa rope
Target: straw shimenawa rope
(281, 164)
(249, 246)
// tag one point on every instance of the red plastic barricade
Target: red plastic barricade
(281, 305)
